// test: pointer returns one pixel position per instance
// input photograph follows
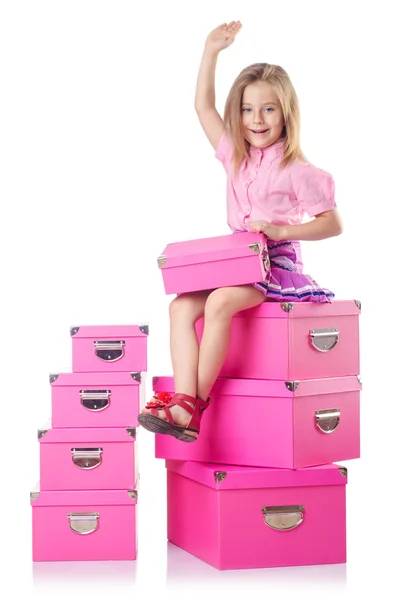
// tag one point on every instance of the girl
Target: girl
(270, 187)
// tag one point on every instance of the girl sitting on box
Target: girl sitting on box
(270, 187)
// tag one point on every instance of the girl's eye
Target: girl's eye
(267, 109)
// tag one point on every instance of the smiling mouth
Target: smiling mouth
(259, 131)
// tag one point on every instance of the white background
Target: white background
(103, 163)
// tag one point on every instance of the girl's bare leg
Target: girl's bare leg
(185, 310)
(220, 307)
(196, 368)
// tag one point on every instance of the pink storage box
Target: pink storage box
(210, 263)
(87, 459)
(105, 348)
(242, 518)
(272, 423)
(96, 399)
(84, 525)
(293, 341)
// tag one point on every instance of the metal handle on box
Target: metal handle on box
(83, 523)
(87, 458)
(109, 351)
(324, 340)
(283, 518)
(327, 420)
(95, 400)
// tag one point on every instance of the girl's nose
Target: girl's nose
(258, 117)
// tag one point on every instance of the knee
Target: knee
(185, 306)
(219, 304)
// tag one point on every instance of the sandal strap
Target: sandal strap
(181, 400)
(168, 414)
(203, 404)
(183, 403)
(196, 411)
(161, 402)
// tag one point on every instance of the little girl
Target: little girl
(270, 188)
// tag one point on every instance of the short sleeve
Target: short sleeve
(314, 189)
(224, 150)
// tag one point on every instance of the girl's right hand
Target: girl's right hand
(223, 36)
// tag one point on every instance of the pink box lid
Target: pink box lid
(228, 477)
(298, 310)
(81, 497)
(190, 252)
(82, 435)
(271, 387)
(106, 379)
(110, 331)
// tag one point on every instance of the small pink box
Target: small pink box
(243, 518)
(269, 423)
(287, 340)
(210, 263)
(96, 399)
(105, 348)
(87, 459)
(84, 525)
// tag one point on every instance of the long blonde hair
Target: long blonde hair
(284, 89)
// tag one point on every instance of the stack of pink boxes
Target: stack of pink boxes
(259, 488)
(84, 507)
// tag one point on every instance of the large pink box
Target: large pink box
(210, 263)
(242, 518)
(288, 340)
(270, 423)
(106, 348)
(87, 458)
(84, 525)
(96, 399)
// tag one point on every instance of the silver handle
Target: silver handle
(324, 340)
(283, 518)
(95, 400)
(83, 523)
(327, 420)
(109, 351)
(87, 458)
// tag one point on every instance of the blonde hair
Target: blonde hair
(284, 89)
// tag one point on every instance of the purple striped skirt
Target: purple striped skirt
(284, 282)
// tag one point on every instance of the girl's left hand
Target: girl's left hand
(273, 232)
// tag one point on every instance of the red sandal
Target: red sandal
(165, 401)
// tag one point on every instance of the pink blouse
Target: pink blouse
(260, 191)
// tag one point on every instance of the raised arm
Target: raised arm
(211, 121)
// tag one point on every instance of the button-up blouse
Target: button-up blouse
(260, 191)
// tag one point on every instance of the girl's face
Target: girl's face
(261, 115)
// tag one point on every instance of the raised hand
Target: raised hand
(223, 36)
